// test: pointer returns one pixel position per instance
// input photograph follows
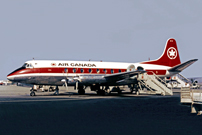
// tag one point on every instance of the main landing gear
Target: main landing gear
(81, 90)
(104, 90)
(134, 87)
(37, 88)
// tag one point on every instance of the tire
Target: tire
(81, 92)
(119, 90)
(32, 93)
(51, 89)
(101, 92)
(131, 91)
(98, 92)
(107, 92)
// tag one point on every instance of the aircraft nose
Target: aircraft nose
(10, 78)
(12, 74)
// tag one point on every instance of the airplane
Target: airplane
(1, 83)
(98, 75)
(4, 82)
(196, 82)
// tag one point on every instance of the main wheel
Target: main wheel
(101, 92)
(51, 89)
(131, 90)
(107, 92)
(119, 90)
(98, 92)
(81, 92)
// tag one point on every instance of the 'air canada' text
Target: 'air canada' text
(77, 64)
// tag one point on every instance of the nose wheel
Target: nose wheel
(32, 93)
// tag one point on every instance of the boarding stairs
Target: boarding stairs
(179, 81)
(154, 84)
(185, 95)
(193, 97)
(182, 78)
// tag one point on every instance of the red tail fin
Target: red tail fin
(170, 56)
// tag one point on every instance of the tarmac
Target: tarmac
(91, 114)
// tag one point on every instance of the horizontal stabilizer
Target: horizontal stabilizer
(182, 66)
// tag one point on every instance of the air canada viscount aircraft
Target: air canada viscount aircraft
(98, 75)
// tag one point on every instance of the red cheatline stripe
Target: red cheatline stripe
(78, 71)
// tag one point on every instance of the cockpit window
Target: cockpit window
(26, 65)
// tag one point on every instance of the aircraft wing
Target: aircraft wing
(182, 66)
(124, 75)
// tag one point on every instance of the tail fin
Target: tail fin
(170, 56)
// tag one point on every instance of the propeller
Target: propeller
(131, 68)
(65, 80)
(77, 79)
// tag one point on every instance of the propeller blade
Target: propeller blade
(66, 85)
(77, 85)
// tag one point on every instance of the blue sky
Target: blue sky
(107, 30)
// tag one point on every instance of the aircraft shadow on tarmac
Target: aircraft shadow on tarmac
(123, 94)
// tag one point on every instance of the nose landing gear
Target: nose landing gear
(42, 88)
(32, 93)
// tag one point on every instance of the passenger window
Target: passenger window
(74, 70)
(90, 70)
(112, 71)
(66, 70)
(98, 71)
(105, 71)
(82, 70)
(119, 70)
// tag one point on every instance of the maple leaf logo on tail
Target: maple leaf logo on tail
(170, 56)
(172, 53)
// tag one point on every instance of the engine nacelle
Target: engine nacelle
(131, 68)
